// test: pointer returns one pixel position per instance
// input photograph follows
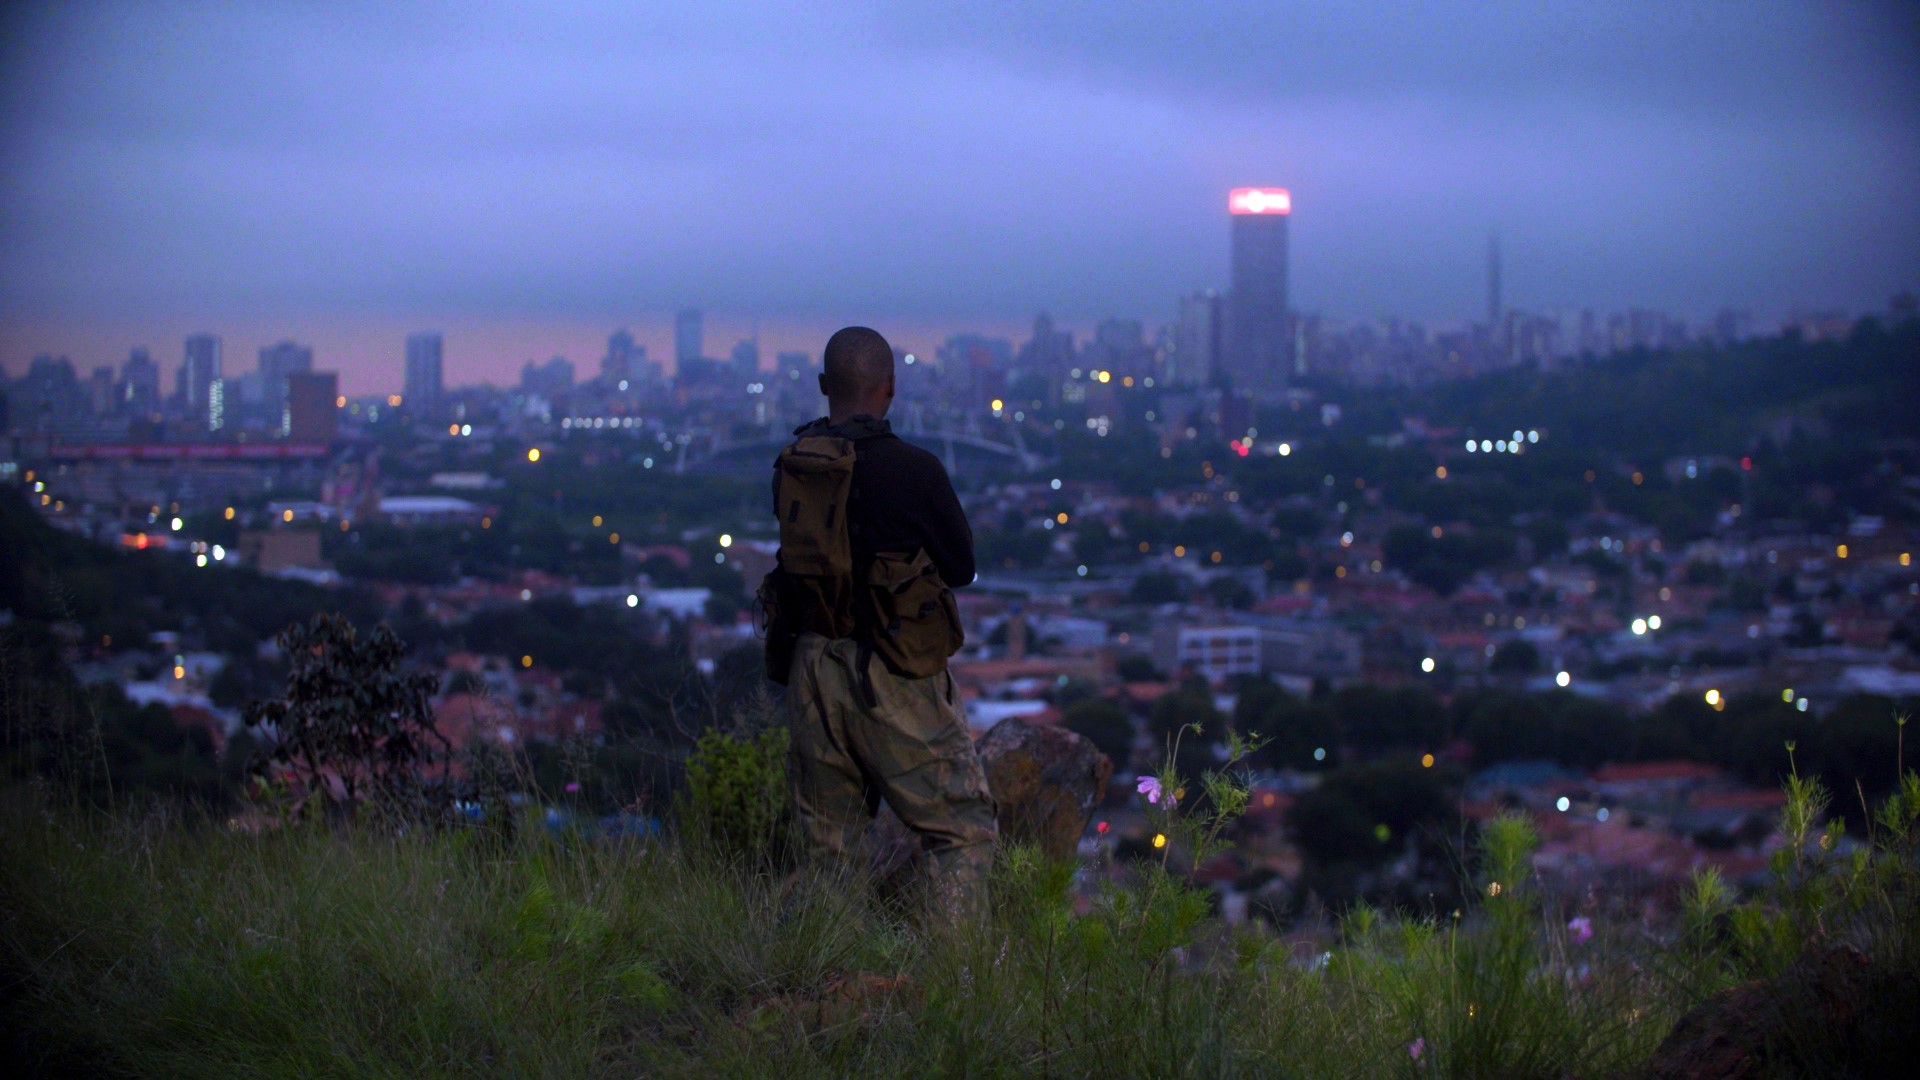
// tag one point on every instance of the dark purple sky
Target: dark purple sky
(342, 172)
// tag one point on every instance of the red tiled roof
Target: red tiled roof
(1745, 799)
(1645, 771)
(1146, 692)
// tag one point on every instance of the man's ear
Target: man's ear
(889, 386)
(822, 378)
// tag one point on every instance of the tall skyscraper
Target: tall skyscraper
(1049, 352)
(1494, 308)
(277, 362)
(423, 372)
(312, 414)
(622, 353)
(1196, 339)
(689, 338)
(746, 357)
(1258, 339)
(199, 379)
(140, 384)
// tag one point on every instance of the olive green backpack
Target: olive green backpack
(812, 586)
(908, 611)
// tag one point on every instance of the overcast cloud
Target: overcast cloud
(944, 163)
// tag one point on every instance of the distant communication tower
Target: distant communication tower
(1494, 310)
(1259, 341)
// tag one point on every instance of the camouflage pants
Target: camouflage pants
(858, 737)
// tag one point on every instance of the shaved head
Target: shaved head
(857, 371)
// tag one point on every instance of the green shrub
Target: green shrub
(737, 798)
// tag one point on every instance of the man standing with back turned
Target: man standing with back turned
(872, 540)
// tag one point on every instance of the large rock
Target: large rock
(1759, 1028)
(1046, 780)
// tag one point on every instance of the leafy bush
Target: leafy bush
(737, 798)
(353, 725)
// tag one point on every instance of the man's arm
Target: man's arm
(949, 537)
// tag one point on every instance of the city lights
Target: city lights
(1426, 761)
(1563, 804)
(1713, 697)
(1427, 665)
(726, 540)
(1639, 626)
(533, 454)
(633, 600)
(1563, 679)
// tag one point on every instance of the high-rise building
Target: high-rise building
(423, 372)
(550, 380)
(1259, 342)
(746, 357)
(689, 338)
(1049, 352)
(100, 400)
(199, 372)
(49, 398)
(277, 362)
(313, 413)
(1196, 339)
(140, 384)
(623, 357)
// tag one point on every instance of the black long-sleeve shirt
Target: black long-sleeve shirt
(902, 499)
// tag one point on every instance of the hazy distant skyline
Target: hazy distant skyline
(528, 181)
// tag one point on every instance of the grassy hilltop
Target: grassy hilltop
(156, 944)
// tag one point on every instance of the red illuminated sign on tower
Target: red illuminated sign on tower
(1259, 200)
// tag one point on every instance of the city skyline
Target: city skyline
(347, 179)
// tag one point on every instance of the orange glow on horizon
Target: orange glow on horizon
(1255, 200)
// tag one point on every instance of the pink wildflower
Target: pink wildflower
(1101, 828)
(1150, 787)
(573, 786)
(1417, 1047)
(1581, 928)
